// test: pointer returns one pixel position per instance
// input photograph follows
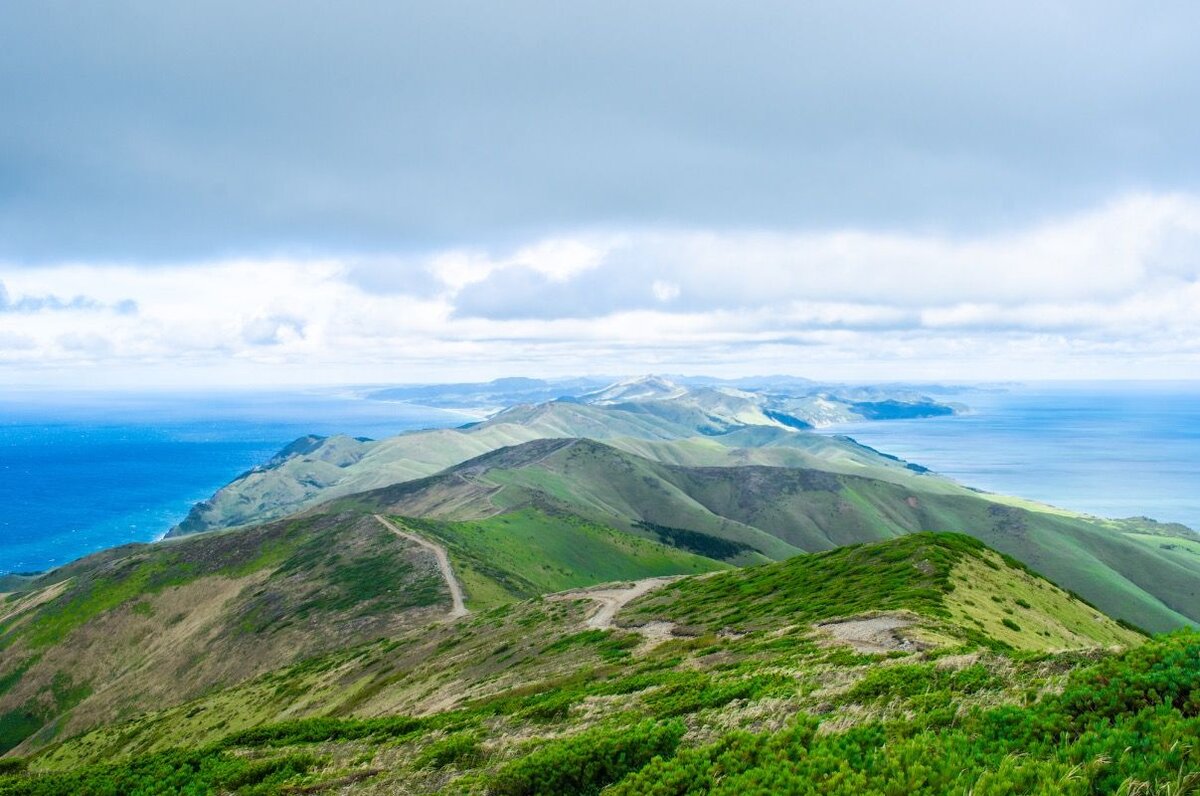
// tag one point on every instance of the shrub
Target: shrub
(459, 748)
(585, 763)
(318, 730)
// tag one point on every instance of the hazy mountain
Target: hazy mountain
(651, 408)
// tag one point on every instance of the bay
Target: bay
(80, 472)
(1112, 450)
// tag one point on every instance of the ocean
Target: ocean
(82, 472)
(1112, 450)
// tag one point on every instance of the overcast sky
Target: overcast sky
(301, 192)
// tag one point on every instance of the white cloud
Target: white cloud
(664, 291)
(1111, 292)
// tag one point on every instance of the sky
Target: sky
(230, 193)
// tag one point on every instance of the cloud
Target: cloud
(664, 291)
(1111, 292)
(91, 345)
(1138, 243)
(12, 341)
(273, 330)
(31, 304)
(172, 132)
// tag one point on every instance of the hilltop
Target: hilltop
(743, 513)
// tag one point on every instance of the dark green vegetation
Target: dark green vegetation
(523, 698)
(168, 773)
(1127, 725)
(698, 543)
(910, 573)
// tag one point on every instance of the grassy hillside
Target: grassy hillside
(947, 577)
(527, 699)
(526, 553)
(147, 625)
(776, 512)
(151, 625)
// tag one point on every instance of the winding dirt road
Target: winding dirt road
(459, 606)
(613, 598)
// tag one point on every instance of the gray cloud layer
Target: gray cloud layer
(137, 130)
(50, 302)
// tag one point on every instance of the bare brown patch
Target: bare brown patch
(34, 599)
(875, 634)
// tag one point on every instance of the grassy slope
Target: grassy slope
(302, 481)
(501, 686)
(1147, 581)
(941, 576)
(526, 553)
(157, 624)
(152, 625)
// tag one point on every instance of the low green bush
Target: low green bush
(583, 764)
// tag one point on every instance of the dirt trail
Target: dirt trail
(459, 608)
(874, 634)
(612, 598)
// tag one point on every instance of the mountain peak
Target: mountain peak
(641, 388)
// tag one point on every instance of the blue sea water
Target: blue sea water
(1110, 450)
(82, 472)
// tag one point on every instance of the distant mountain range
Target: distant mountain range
(812, 403)
(627, 414)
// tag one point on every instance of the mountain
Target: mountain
(517, 522)
(136, 627)
(312, 470)
(496, 393)
(836, 402)
(922, 664)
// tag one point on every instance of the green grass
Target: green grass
(529, 552)
(235, 604)
(779, 511)
(173, 772)
(911, 572)
(535, 660)
(102, 594)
